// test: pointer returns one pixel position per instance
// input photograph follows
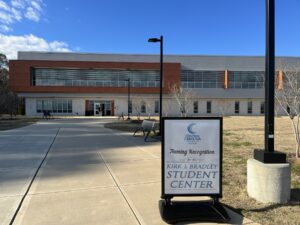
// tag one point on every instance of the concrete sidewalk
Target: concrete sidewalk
(91, 175)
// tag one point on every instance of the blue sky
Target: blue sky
(210, 27)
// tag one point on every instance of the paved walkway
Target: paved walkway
(83, 174)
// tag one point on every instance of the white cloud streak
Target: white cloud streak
(10, 45)
(16, 10)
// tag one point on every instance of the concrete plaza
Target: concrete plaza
(82, 173)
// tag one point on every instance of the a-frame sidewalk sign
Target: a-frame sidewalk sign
(192, 166)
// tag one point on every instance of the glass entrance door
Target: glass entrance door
(97, 109)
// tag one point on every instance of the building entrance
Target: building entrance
(99, 108)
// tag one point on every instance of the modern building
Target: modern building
(113, 84)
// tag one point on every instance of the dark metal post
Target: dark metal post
(268, 155)
(161, 40)
(128, 100)
(161, 83)
(269, 76)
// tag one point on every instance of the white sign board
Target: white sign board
(192, 156)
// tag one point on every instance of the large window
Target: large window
(246, 79)
(143, 107)
(208, 107)
(54, 106)
(156, 106)
(196, 107)
(262, 107)
(237, 107)
(202, 79)
(95, 77)
(249, 107)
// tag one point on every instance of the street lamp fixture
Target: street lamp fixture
(161, 41)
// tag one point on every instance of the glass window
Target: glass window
(202, 78)
(249, 106)
(65, 106)
(143, 107)
(59, 106)
(196, 107)
(262, 107)
(246, 79)
(39, 106)
(237, 107)
(54, 106)
(208, 107)
(69, 106)
(156, 106)
(94, 77)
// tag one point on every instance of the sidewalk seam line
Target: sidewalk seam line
(71, 190)
(32, 180)
(138, 146)
(139, 220)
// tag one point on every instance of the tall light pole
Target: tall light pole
(269, 155)
(161, 41)
(128, 100)
(269, 76)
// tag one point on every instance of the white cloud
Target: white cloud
(5, 18)
(4, 6)
(36, 5)
(17, 9)
(20, 4)
(10, 45)
(16, 14)
(5, 28)
(32, 14)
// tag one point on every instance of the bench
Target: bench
(46, 114)
(147, 127)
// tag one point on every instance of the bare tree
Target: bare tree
(223, 105)
(184, 98)
(288, 97)
(136, 106)
(12, 103)
(167, 105)
(149, 106)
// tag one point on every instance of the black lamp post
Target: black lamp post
(161, 41)
(128, 100)
(269, 77)
(269, 155)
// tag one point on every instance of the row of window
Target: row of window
(95, 77)
(143, 78)
(215, 79)
(143, 108)
(54, 106)
(236, 107)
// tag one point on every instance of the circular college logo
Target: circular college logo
(191, 137)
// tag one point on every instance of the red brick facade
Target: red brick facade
(20, 76)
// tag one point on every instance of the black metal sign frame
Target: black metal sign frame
(213, 195)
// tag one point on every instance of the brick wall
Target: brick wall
(20, 76)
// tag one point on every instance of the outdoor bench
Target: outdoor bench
(147, 127)
(46, 114)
